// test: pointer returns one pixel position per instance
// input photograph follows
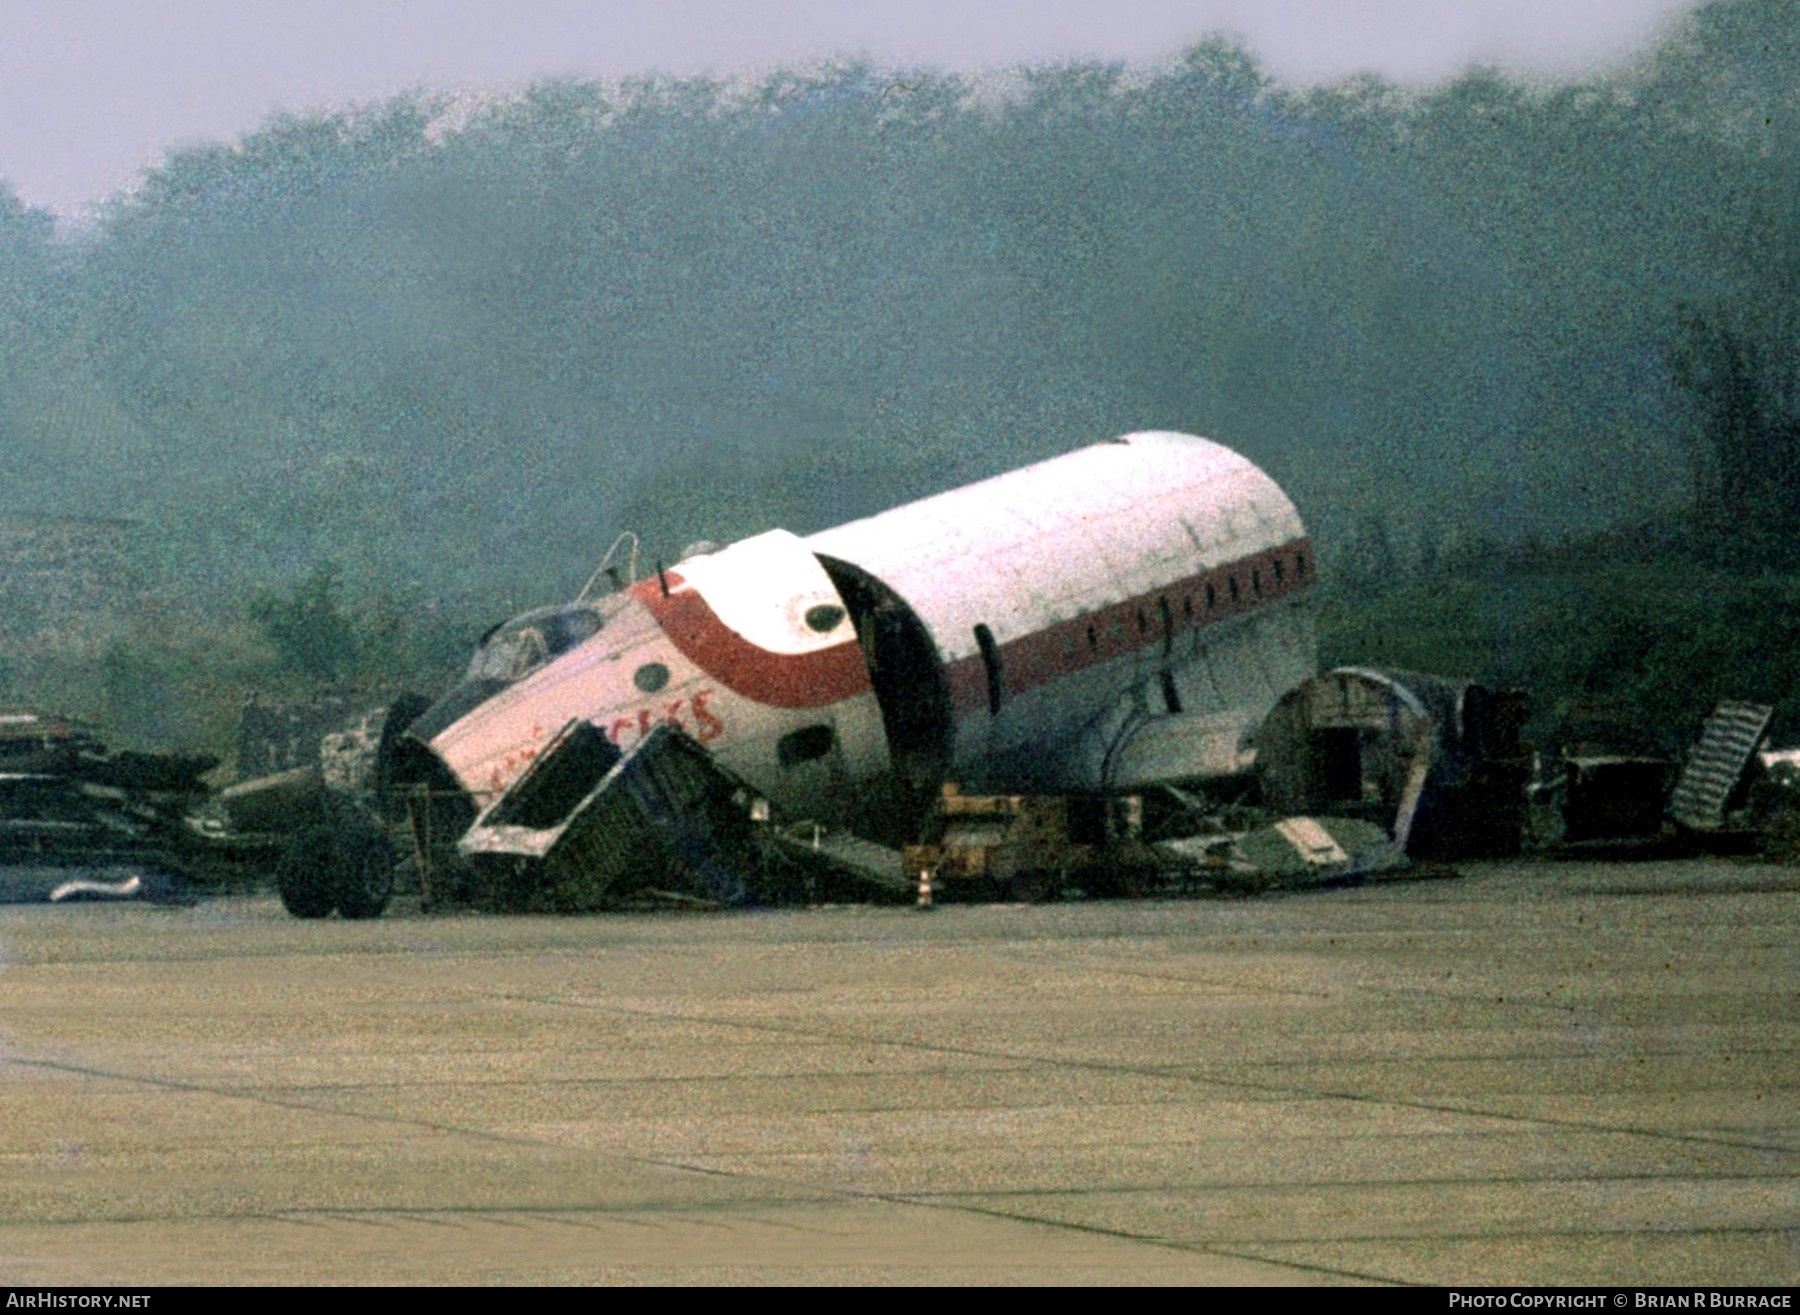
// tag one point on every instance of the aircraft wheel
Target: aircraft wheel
(365, 873)
(305, 873)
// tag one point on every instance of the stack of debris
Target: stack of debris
(588, 827)
(77, 818)
(1610, 788)
(1004, 847)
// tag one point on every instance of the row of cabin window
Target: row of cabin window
(1276, 569)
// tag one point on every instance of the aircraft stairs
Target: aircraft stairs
(1717, 764)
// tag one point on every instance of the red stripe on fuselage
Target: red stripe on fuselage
(825, 676)
(781, 680)
(1136, 624)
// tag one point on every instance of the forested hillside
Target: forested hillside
(447, 347)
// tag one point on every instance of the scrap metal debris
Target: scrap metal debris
(1006, 847)
(74, 814)
(1319, 851)
(76, 883)
(1363, 773)
(587, 826)
(1611, 797)
(1438, 762)
(830, 865)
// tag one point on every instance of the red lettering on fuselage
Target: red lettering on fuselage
(514, 763)
(707, 727)
(710, 727)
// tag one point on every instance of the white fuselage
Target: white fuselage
(1126, 611)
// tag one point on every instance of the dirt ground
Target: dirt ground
(1531, 1074)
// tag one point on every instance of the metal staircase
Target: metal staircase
(1717, 764)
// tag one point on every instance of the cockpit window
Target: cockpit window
(514, 649)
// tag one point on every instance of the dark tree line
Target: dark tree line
(1746, 384)
(1738, 360)
(461, 348)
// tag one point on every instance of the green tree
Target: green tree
(310, 629)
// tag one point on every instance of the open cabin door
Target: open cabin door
(908, 677)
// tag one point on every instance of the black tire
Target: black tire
(306, 872)
(365, 874)
(345, 863)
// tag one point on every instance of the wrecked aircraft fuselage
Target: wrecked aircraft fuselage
(1065, 627)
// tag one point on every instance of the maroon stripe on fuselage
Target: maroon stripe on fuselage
(1145, 622)
(781, 680)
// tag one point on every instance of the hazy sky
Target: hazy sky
(93, 91)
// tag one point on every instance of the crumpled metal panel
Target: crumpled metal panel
(587, 825)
